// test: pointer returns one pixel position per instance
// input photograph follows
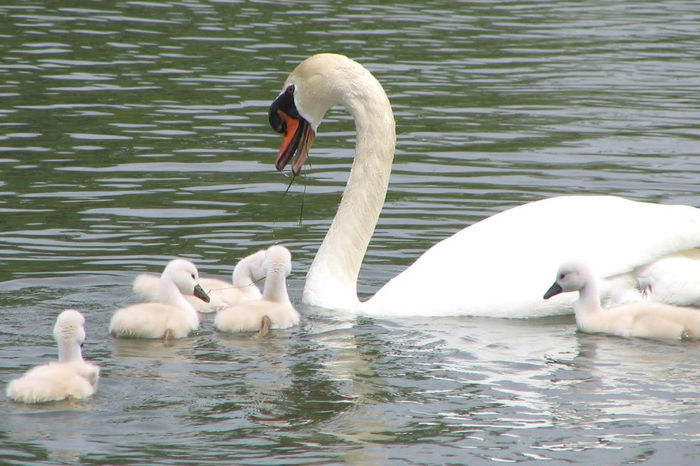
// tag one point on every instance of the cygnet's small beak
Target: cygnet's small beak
(555, 289)
(200, 293)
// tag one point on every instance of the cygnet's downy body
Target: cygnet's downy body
(640, 319)
(274, 310)
(70, 377)
(222, 294)
(172, 316)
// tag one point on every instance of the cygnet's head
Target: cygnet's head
(185, 276)
(70, 328)
(278, 260)
(571, 276)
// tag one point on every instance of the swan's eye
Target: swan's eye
(290, 89)
(562, 276)
(193, 277)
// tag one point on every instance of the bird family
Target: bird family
(638, 274)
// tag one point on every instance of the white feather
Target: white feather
(69, 377)
(492, 268)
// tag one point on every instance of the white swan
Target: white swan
(673, 279)
(467, 272)
(644, 319)
(222, 294)
(274, 310)
(172, 316)
(70, 377)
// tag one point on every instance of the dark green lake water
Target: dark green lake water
(133, 131)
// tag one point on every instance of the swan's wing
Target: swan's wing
(51, 382)
(248, 316)
(673, 279)
(87, 371)
(502, 265)
(144, 320)
(146, 286)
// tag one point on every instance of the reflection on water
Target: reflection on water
(133, 131)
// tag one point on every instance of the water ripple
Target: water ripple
(135, 131)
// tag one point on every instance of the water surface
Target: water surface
(134, 131)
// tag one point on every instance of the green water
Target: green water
(134, 131)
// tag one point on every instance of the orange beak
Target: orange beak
(298, 135)
(298, 138)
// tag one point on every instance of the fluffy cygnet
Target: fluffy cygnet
(274, 310)
(172, 316)
(70, 377)
(640, 319)
(222, 294)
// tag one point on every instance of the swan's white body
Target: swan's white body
(492, 268)
(642, 319)
(275, 303)
(519, 245)
(70, 377)
(674, 279)
(222, 294)
(173, 316)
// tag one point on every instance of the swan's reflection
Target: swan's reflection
(480, 376)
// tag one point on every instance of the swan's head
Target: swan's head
(571, 276)
(278, 260)
(70, 328)
(316, 84)
(184, 275)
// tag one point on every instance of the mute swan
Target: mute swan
(222, 294)
(274, 310)
(673, 279)
(172, 316)
(644, 319)
(69, 377)
(465, 273)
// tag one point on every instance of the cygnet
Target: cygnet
(640, 319)
(172, 316)
(274, 310)
(70, 377)
(222, 294)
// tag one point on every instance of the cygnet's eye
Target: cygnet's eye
(562, 276)
(193, 277)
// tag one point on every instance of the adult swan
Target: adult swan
(496, 267)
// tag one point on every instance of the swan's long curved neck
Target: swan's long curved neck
(69, 351)
(169, 293)
(589, 299)
(275, 288)
(247, 270)
(332, 279)
(589, 296)
(242, 277)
